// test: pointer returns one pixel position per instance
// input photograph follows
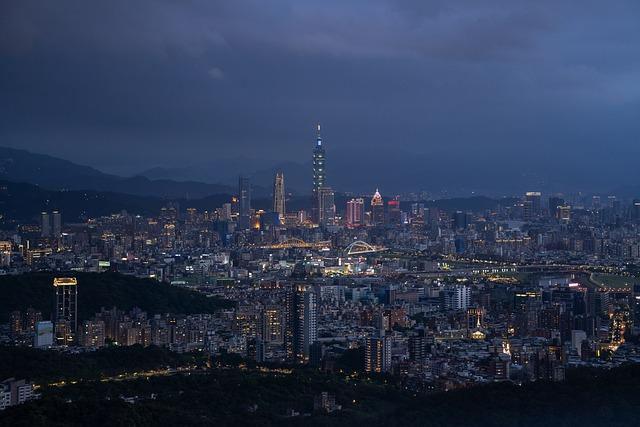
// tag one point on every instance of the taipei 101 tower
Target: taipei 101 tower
(319, 176)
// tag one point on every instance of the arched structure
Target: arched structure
(360, 248)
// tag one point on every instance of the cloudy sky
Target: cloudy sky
(546, 87)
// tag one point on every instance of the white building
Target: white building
(44, 334)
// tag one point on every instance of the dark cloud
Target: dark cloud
(475, 85)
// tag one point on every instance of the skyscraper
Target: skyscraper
(56, 220)
(319, 176)
(66, 315)
(278, 195)
(45, 225)
(301, 322)
(532, 205)
(244, 196)
(377, 209)
(355, 212)
(326, 206)
(394, 214)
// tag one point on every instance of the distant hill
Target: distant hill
(20, 202)
(96, 290)
(56, 174)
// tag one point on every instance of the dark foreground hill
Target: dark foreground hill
(231, 397)
(96, 290)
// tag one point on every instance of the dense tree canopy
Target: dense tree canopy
(96, 290)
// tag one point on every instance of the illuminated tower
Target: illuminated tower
(319, 175)
(278, 195)
(301, 323)
(66, 315)
(377, 209)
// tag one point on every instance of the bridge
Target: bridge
(361, 248)
(297, 244)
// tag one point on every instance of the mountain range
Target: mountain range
(52, 173)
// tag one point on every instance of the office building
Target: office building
(394, 214)
(355, 212)
(66, 314)
(377, 209)
(244, 200)
(532, 205)
(278, 195)
(326, 206)
(301, 323)
(56, 222)
(45, 225)
(43, 337)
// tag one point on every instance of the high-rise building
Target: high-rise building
(456, 297)
(244, 199)
(271, 324)
(554, 202)
(66, 314)
(45, 225)
(43, 334)
(319, 176)
(394, 214)
(418, 346)
(377, 209)
(563, 213)
(92, 334)
(326, 206)
(355, 212)
(278, 195)
(532, 205)
(636, 209)
(377, 354)
(460, 220)
(15, 323)
(56, 221)
(32, 317)
(301, 322)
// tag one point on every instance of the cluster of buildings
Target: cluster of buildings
(439, 297)
(16, 392)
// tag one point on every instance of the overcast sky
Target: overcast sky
(126, 85)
